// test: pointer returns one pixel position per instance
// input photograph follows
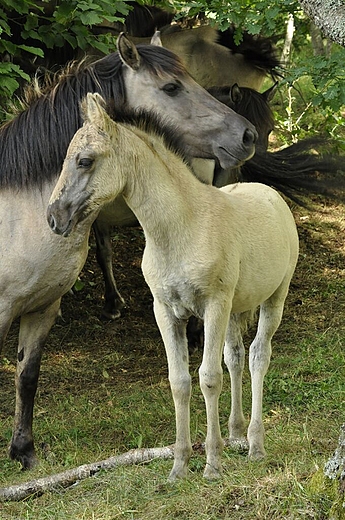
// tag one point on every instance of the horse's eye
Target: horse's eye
(85, 162)
(172, 89)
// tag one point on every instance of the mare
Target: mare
(217, 254)
(37, 267)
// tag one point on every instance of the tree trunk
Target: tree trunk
(316, 40)
(329, 16)
(290, 29)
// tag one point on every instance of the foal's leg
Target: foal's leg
(271, 312)
(211, 380)
(173, 332)
(34, 329)
(234, 356)
(113, 301)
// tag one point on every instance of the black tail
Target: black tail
(258, 50)
(297, 172)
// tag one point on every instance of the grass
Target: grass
(104, 390)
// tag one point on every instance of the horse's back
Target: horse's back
(266, 241)
(197, 47)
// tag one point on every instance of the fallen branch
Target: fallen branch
(65, 479)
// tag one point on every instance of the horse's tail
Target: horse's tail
(297, 171)
(257, 50)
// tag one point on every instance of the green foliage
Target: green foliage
(27, 28)
(254, 16)
(312, 91)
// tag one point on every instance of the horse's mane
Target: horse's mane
(153, 124)
(33, 144)
(258, 50)
(250, 104)
(144, 20)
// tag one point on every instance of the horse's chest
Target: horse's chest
(183, 299)
(175, 288)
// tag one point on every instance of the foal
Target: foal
(214, 253)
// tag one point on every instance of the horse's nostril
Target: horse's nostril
(51, 222)
(250, 137)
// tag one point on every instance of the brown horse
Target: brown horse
(213, 58)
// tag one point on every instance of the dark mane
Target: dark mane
(144, 20)
(34, 144)
(258, 50)
(153, 124)
(251, 104)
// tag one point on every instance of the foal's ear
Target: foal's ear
(156, 39)
(93, 108)
(128, 52)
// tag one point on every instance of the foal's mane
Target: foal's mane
(33, 144)
(153, 124)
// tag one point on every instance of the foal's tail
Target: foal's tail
(258, 50)
(297, 172)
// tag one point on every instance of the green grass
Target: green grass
(104, 390)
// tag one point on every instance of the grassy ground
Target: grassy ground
(104, 390)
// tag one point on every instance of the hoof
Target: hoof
(27, 458)
(256, 454)
(110, 316)
(212, 473)
(178, 473)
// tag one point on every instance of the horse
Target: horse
(213, 58)
(296, 170)
(37, 268)
(214, 253)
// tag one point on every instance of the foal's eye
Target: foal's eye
(172, 89)
(85, 162)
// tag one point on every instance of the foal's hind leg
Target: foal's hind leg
(113, 301)
(234, 357)
(271, 312)
(34, 329)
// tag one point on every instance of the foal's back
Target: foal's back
(264, 240)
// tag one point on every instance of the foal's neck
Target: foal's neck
(161, 189)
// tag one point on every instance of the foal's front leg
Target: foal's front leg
(234, 357)
(174, 336)
(34, 329)
(211, 380)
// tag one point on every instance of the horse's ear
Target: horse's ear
(269, 93)
(128, 52)
(94, 111)
(156, 39)
(88, 106)
(235, 94)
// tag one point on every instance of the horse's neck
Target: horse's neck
(156, 188)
